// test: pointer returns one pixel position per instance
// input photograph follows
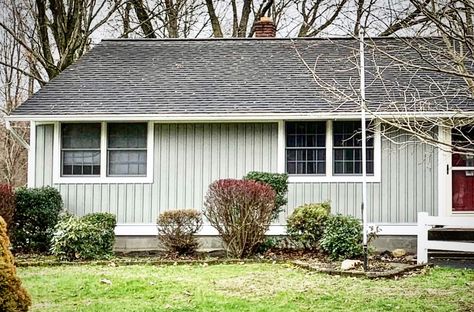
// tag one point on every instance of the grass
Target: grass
(248, 287)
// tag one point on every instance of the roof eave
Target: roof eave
(188, 117)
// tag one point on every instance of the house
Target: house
(137, 127)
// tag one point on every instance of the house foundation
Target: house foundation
(150, 244)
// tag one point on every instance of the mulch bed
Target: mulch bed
(379, 266)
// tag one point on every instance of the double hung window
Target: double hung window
(327, 148)
(104, 149)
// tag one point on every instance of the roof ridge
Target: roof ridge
(265, 39)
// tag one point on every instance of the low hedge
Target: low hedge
(342, 237)
(177, 230)
(36, 215)
(90, 237)
(306, 224)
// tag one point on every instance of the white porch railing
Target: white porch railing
(426, 222)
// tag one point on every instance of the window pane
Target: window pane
(127, 135)
(80, 136)
(348, 133)
(81, 162)
(127, 163)
(306, 134)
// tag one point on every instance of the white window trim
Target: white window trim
(329, 176)
(103, 178)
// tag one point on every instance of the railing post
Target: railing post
(422, 241)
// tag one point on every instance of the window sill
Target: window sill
(102, 180)
(337, 178)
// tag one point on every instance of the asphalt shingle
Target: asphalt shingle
(256, 76)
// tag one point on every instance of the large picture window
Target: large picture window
(347, 148)
(127, 149)
(306, 147)
(80, 149)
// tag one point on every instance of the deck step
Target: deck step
(452, 234)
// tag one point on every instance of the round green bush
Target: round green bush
(305, 226)
(342, 237)
(91, 237)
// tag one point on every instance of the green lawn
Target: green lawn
(248, 287)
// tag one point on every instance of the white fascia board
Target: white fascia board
(274, 230)
(234, 117)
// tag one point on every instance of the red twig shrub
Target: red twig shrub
(13, 297)
(177, 229)
(241, 211)
(7, 204)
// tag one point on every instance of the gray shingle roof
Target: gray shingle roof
(257, 76)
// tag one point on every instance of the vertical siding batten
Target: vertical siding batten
(188, 157)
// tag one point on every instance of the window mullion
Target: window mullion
(103, 150)
(329, 147)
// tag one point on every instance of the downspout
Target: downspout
(16, 135)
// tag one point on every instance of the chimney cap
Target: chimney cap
(266, 19)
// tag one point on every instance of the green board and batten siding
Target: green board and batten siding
(188, 157)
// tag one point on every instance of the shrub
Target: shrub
(278, 182)
(7, 204)
(241, 211)
(305, 226)
(13, 297)
(342, 237)
(37, 213)
(91, 237)
(176, 230)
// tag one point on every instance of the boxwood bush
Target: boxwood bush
(36, 215)
(306, 224)
(177, 229)
(90, 237)
(241, 211)
(278, 182)
(342, 237)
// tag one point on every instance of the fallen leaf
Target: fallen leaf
(106, 281)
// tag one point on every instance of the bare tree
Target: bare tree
(14, 90)
(55, 32)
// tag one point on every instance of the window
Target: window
(102, 152)
(80, 149)
(328, 151)
(306, 147)
(347, 148)
(127, 149)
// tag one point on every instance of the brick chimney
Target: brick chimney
(265, 28)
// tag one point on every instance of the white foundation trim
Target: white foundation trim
(125, 229)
